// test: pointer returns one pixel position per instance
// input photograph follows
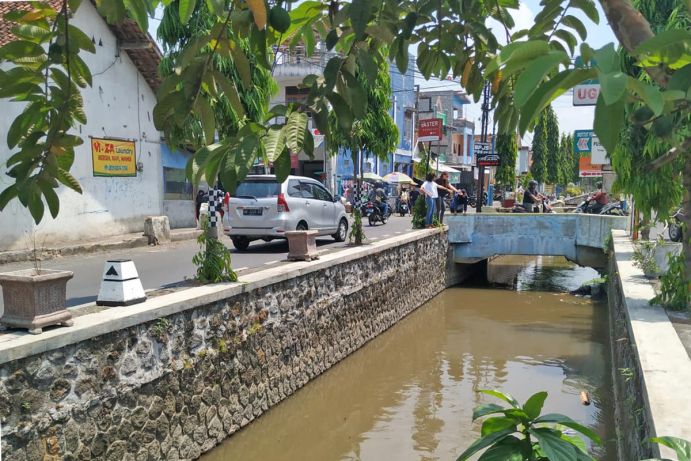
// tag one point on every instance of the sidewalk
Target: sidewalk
(113, 242)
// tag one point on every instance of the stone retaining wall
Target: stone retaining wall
(175, 386)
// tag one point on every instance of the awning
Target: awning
(174, 158)
(442, 168)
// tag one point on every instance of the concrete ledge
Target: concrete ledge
(663, 360)
(17, 345)
(120, 242)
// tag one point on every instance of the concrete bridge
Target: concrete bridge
(578, 237)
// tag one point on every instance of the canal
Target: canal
(409, 394)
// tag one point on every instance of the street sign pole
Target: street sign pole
(483, 137)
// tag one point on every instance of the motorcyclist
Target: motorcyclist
(597, 200)
(378, 197)
(531, 197)
(403, 197)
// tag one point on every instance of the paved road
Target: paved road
(169, 264)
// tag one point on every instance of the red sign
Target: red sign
(429, 129)
(586, 94)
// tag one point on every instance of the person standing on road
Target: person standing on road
(429, 188)
(414, 194)
(445, 188)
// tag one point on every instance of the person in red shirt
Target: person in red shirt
(597, 200)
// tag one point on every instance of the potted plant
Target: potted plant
(35, 298)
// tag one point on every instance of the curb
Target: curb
(7, 257)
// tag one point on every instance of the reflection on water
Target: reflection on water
(409, 394)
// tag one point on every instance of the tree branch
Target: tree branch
(632, 29)
(670, 156)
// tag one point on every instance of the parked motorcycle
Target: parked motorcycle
(675, 226)
(373, 213)
(612, 208)
(402, 208)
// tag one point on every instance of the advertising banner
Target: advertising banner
(583, 146)
(586, 94)
(485, 157)
(429, 129)
(111, 157)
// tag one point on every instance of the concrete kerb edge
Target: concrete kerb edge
(15, 256)
(113, 319)
(664, 362)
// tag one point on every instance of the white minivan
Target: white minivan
(263, 208)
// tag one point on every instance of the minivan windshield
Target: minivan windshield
(257, 189)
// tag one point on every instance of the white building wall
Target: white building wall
(118, 105)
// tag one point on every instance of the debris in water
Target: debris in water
(585, 398)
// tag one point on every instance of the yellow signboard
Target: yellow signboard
(113, 158)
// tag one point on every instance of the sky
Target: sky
(570, 117)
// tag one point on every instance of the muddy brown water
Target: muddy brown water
(409, 394)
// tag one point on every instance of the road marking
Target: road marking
(386, 235)
(399, 232)
(271, 262)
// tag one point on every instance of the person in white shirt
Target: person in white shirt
(429, 188)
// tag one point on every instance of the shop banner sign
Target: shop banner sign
(583, 141)
(485, 156)
(113, 157)
(429, 129)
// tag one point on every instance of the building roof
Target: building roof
(138, 44)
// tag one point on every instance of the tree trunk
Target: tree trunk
(631, 29)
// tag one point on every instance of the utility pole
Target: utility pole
(483, 138)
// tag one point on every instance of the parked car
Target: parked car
(263, 208)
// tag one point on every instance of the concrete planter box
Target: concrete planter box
(508, 203)
(35, 301)
(302, 245)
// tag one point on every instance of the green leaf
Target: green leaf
(402, 56)
(20, 49)
(588, 7)
(51, 197)
(553, 88)
(207, 118)
(680, 446)
(331, 39)
(295, 131)
(8, 194)
(608, 122)
(497, 423)
(556, 448)
(486, 409)
(484, 442)
(67, 179)
(612, 86)
(650, 94)
(503, 396)
(534, 74)
(185, 10)
(570, 423)
(607, 59)
(509, 449)
(380, 32)
(282, 166)
(217, 7)
(35, 205)
(138, 11)
(343, 112)
(274, 142)
(533, 406)
(360, 14)
(667, 47)
(681, 79)
(576, 24)
(241, 63)
(568, 38)
(230, 91)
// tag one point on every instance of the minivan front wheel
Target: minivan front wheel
(241, 243)
(342, 231)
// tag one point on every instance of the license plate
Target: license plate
(252, 212)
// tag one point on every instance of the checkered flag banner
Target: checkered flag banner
(215, 200)
(357, 193)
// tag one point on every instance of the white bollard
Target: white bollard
(121, 285)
